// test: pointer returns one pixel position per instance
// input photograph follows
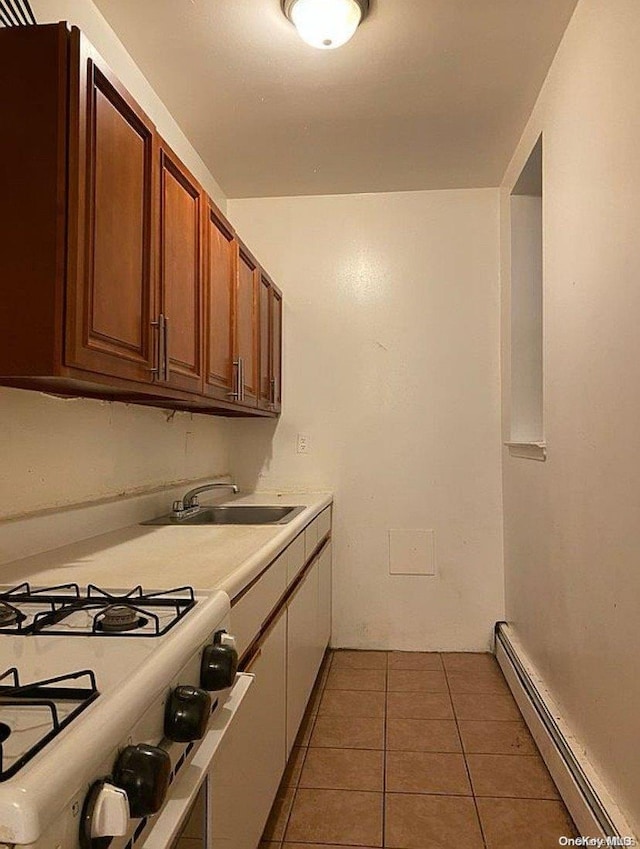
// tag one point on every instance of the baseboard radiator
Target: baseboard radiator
(592, 808)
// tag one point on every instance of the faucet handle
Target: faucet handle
(178, 507)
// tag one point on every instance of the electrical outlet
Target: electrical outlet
(303, 444)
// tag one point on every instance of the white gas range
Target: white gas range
(105, 697)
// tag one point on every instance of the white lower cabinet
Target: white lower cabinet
(324, 598)
(247, 770)
(308, 633)
(302, 651)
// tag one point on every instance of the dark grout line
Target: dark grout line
(466, 763)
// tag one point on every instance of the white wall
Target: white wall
(572, 529)
(391, 367)
(56, 452)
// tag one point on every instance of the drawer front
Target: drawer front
(295, 557)
(249, 614)
(310, 538)
(324, 523)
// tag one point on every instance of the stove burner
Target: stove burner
(9, 615)
(120, 617)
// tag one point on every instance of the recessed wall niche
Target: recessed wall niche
(527, 359)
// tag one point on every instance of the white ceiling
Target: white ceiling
(428, 94)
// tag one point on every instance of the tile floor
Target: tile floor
(415, 751)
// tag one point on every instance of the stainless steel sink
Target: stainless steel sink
(239, 514)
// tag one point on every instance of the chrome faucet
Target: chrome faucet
(189, 502)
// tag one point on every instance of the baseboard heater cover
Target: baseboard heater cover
(593, 810)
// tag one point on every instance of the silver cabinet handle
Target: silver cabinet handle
(240, 379)
(159, 369)
(166, 349)
(236, 380)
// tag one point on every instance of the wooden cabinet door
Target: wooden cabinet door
(264, 397)
(110, 273)
(270, 308)
(180, 272)
(246, 326)
(220, 282)
(275, 313)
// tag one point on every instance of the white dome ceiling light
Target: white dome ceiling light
(326, 24)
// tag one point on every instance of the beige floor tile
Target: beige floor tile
(482, 681)
(431, 822)
(427, 772)
(520, 823)
(349, 703)
(279, 816)
(423, 735)
(359, 660)
(416, 660)
(263, 845)
(416, 681)
(356, 679)
(492, 706)
(419, 706)
(515, 776)
(294, 766)
(346, 732)
(345, 817)
(496, 738)
(343, 769)
(468, 661)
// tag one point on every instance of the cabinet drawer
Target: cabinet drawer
(324, 523)
(310, 538)
(295, 557)
(250, 612)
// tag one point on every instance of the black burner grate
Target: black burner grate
(50, 694)
(64, 600)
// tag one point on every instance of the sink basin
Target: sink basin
(240, 514)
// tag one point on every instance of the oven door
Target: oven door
(183, 818)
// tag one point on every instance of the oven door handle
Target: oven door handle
(185, 788)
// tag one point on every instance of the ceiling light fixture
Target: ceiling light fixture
(326, 24)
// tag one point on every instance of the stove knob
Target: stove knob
(219, 663)
(187, 714)
(105, 815)
(143, 773)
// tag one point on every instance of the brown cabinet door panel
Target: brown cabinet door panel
(110, 276)
(220, 274)
(246, 325)
(265, 343)
(275, 313)
(181, 271)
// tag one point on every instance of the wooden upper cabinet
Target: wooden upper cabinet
(180, 312)
(220, 277)
(110, 282)
(270, 345)
(122, 278)
(246, 326)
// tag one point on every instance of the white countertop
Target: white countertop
(159, 557)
